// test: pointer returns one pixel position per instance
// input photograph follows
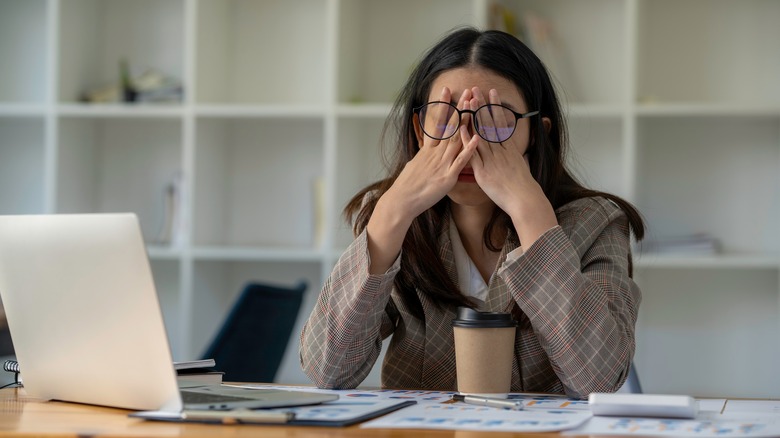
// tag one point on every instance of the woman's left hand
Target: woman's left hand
(503, 172)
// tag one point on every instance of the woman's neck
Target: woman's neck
(471, 222)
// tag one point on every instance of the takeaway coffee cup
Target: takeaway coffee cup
(484, 345)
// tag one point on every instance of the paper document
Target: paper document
(676, 428)
(460, 416)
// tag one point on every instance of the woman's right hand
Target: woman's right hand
(424, 181)
(434, 170)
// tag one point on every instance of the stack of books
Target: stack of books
(197, 372)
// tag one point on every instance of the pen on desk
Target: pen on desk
(516, 405)
(239, 416)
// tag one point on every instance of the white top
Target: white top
(470, 280)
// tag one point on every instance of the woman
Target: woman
(479, 210)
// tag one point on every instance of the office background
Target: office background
(260, 118)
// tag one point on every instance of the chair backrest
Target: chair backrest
(250, 345)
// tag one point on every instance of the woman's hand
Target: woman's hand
(503, 173)
(425, 180)
(433, 171)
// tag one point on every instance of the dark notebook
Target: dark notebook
(339, 413)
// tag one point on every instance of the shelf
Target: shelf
(256, 254)
(261, 111)
(721, 261)
(369, 110)
(163, 252)
(13, 110)
(708, 110)
(595, 110)
(151, 111)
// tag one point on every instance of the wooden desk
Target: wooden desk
(22, 416)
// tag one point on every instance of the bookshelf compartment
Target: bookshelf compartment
(22, 167)
(596, 155)
(709, 332)
(270, 51)
(711, 175)
(217, 284)
(95, 35)
(360, 151)
(167, 274)
(729, 56)
(377, 53)
(24, 36)
(576, 33)
(256, 182)
(119, 165)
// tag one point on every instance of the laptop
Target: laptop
(86, 323)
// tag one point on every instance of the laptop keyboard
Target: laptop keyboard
(189, 397)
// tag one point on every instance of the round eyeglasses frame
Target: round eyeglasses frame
(475, 121)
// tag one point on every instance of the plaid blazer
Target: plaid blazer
(571, 292)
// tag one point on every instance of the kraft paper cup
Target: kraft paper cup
(484, 346)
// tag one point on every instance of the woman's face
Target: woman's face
(466, 191)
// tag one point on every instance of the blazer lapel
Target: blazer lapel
(499, 299)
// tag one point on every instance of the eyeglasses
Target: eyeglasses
(494, 123)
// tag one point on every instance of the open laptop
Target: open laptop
(86, 323)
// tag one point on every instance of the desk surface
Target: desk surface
(21, 416)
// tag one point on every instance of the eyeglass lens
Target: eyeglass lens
(494, 123)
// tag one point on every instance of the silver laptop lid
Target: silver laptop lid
(63, 276)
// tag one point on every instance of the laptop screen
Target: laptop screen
(83, 311)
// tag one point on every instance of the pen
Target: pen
(502, 403)
(239, 416)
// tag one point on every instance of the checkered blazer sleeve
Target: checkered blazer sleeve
(575, 287)
(342, 338)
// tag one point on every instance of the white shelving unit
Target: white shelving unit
(673, 104)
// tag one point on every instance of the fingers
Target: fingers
(435, 122)
(499, 117)
(496, 124)
(468, 152)
(454, 143)
(484, 119)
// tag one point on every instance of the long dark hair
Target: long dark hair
(502, 53)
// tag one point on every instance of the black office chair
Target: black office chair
(250, 345)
